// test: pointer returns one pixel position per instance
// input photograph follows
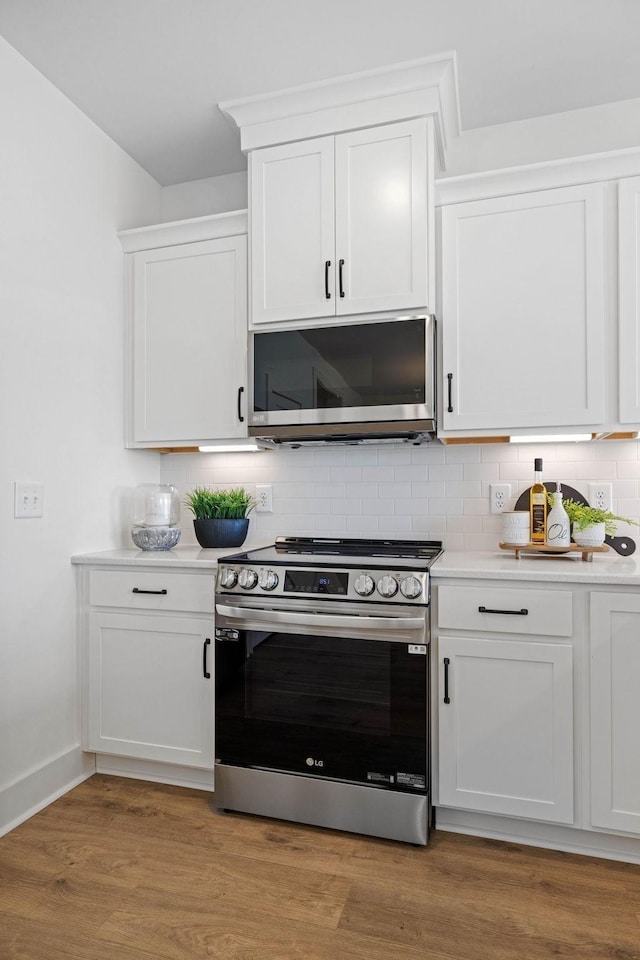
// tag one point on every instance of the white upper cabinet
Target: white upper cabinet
(292, 231)
(522, 322)
(629, 301)
(187, 329)
(339, 225)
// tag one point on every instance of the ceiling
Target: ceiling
(150, 73)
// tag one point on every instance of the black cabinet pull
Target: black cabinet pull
(205, 672)
(160, 593)
(512, 613)
(450, 405)
(240, 392)
(340, 266)
(327, 293)
(446, 680)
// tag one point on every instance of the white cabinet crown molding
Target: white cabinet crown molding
(546, 175)
(211, 227)
(425, 87)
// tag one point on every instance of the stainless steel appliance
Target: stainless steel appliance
(322, 684)
(352, 382)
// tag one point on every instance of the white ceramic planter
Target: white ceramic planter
(591, 536)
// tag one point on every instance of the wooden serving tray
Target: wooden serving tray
(587, 552)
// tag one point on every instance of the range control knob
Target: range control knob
(387, 586)
(228, 577)
(364, 585)
(410, 588)
(268, 580)
(247, 579)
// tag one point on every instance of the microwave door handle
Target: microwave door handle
(260, 619)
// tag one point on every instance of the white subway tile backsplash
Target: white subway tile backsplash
(394, 526)
(349, 474)
(425, 492)
(395, 490)
(628, 469)
(360, 490)
(446, 471)
(480, 471)
(429, 489)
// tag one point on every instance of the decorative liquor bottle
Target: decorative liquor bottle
(538, 505)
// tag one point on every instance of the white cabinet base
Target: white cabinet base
(551, 836)
(177, 776)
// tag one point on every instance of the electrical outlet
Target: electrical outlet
(264, 498)
(28, 500)
(601, 496)
(499, 497)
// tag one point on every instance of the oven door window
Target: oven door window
(343, 708)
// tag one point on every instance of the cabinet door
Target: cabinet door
(381, 218)
(523, 311)
(148, 696)
(629, 301)
(506, 734)
(615, 711)
(292, 231)
(189, 341)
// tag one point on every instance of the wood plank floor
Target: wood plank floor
(131, 870)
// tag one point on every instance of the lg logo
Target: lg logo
(314, 763)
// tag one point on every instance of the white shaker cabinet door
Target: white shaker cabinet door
(523, 311)
(148, 693)
(629, 301)
(382, 218)
(293, 268)
(189, 341)
(615, 711)
(506, 727)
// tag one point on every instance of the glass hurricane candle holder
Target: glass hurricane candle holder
(155, 516)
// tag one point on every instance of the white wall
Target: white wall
(65, 191)
(199, 198)
(427, 492)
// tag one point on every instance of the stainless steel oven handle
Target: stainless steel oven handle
(275, 617)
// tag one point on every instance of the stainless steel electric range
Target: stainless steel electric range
(322, 684)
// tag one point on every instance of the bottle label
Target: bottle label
(537, 517)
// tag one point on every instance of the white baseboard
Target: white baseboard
(37, 789)
(589, 843)
(196, 778)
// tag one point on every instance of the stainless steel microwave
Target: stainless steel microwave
(344, 382)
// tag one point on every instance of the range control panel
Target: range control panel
(388, 585)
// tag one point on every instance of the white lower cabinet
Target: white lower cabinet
(615, 711)
(149, 694)
(148, 665)
(506, 727)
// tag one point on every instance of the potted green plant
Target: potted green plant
(590, 525)
(220, 516)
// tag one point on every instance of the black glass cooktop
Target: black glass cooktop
(341, 550)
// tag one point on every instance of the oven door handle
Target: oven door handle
(260, 619)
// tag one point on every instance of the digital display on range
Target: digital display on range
(316, 581)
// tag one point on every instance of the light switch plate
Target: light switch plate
(28, 500)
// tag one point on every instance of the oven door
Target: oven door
(329, 690)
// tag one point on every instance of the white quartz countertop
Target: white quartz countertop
(604, 568)
(180, 557)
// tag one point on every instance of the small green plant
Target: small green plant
(208, 504)
(583, 516)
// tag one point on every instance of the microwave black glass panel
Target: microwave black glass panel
(360, 365)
